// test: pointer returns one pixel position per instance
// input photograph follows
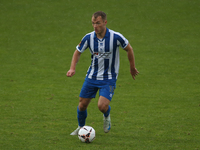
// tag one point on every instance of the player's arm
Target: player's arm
(75, 59)
(131, 59)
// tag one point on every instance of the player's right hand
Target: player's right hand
(70, 73)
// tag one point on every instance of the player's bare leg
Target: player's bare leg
(103, 105)
(83, 103)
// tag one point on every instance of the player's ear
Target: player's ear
(105, 21)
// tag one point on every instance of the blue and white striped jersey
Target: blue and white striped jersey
(104, 54)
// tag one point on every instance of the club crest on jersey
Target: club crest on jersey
(105, 55)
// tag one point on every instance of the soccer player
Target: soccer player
(103, 44)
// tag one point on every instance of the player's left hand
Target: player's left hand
(70, 73)
(134, 72)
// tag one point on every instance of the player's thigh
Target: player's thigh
(103, 104)
(103, 101)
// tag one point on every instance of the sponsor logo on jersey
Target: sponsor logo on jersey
(105, 55)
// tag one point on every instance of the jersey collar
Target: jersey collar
(106, 35)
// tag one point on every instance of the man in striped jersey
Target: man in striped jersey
(103, 44)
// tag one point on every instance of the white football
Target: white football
(86, 134)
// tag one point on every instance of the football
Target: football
(86, 134)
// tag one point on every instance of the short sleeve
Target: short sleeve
(123, 42)
(83, 45)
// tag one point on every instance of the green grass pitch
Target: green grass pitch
(160, 110)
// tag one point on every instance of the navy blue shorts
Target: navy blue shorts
(89, 89)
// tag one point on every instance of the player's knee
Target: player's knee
(103, 108)
(83, 104)
(82, 107)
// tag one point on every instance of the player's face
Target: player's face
(99, 25)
